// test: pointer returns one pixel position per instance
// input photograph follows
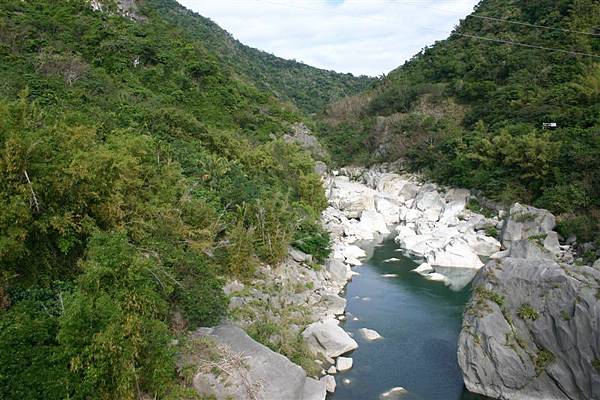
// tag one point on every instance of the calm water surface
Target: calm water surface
(420, 321)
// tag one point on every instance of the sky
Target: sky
(364, 37)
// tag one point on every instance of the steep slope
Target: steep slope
(470, 112)
(138, 169)
(307, 87)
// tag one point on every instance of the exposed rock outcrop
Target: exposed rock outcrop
(249, 370)
(301, 135)
(530, 223)
(532, 328)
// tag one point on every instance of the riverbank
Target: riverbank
(296, 308)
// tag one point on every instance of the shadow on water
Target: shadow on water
(420, 321)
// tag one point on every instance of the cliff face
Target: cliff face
(531, 331)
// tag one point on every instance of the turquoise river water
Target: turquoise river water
(419, 320)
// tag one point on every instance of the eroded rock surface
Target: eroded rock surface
(249, 370)
(532, 330)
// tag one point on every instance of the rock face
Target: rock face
(253, 371)
(532, 330)
(327, 338)
(302, 136)
(525, 222)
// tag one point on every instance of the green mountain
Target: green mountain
(470, 111)
(309, 88)
(140, 164)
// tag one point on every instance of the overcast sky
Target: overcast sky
(368, 37)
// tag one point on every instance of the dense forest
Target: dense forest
(470, 112)
(139, 169)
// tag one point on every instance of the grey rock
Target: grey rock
(596, 264)
(303, 137)
(268, 375)
(329, 382)
(327, 338)
(232, 287)
(525, 221)
(543, 339)
(338, 270)
(314, 390)
(369, 334)
(526, 248)
(300, 256)
(344, 363)
(320, 168)
(333, 303)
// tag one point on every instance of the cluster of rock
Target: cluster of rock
(532, 327)
(431, 223)
(126, 8)
(531, 330)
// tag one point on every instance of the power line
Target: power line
(484, 38)
(533, 46)
(486, 17)
(532, 25)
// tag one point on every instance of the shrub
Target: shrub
(311, 238)
(527, 312)
(543, 359)
(113, 325)
(583, 227)
(490, 295)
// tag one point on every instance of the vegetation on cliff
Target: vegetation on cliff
(139, 169)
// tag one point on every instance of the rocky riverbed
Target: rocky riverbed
(452, 235)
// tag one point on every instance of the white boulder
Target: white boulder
(351, 197)
(327, 338)
(369, 334)
(344, 363)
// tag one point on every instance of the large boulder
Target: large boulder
(350, 197)
(532, 331)
(247, 370)
(430, 203)
(388, 208)
(456, 254)
(397, 187)
(327, 338)
(338, 270)
(524, 222)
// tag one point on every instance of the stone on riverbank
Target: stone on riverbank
(329, 382)
(253, 370)
(327, 338)
(344, 363)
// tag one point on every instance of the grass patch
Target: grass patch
(596, 364)
(543, 359)
(474, 205)
(490, 295)
(524, 216)
(526, 311)
(491, 231)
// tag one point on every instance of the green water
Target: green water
(420, 321)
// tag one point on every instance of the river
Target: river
(420, 321)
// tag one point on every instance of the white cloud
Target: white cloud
(360, 36)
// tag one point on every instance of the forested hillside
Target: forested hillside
(470, 112)
(307, 87)
(139, 168)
